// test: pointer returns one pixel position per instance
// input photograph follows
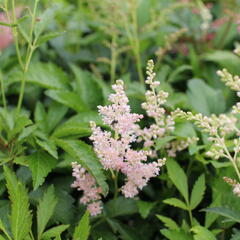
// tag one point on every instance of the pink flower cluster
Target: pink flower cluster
(115, 153)
(91, 193)
(5, 33)
(6, 36)
(154, 100)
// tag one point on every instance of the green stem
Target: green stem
(22, 88)
(228, 155)
(30, 50)
(15, 33)
(190, 216)
(113, 59)
(3, 92)
(115, 180)
(136, 43)
(116, 186)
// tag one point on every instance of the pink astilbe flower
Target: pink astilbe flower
(153, 106)
(5, 33)
(6, 36)
(115, 153)
(91, 193)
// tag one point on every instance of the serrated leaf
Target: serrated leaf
(55, 114)
(54, 231)
(176, 203)
(197, 192)
(47, 75)
(145, 207)
(82, 231)
(178, 177)
(202, 233)
(20, 217)
(19, 125)
(168, 222)
(176, 235)
(225, 212)
(40, 116)
(84, 154)
(64, 211)
(40, 164)
(48, 146)
(69, 99)
(27, 131)
(4, 230)
(45, 209)
(87, 87)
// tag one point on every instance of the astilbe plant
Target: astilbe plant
(114, 148)
(221, 128)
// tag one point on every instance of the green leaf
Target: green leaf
(20, 218)
(4, 230)
(125, 231)
(40, 164)
(72, 129)
(54, 232)
(197, 192)
(176, 203)
(48, 36)
(64, 211)
(210, 218)
(202, 233)
(161, 142)
(56, 112)
(40, 116)
(87, 87)
(225, 59)
(114, 207)
(69, 99)
(86, 117)
(48, 146)
(235, 235)
(168, 222)
(145, 208)
(205, 99)
(84, 154)
(225, 212)
(78, 125)
(82, 231)
(176, 235)
(20, 123)
(44, 20)
(178, 177)
(27, 131)
(175, 76)
(45, 209)
(47, 75)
